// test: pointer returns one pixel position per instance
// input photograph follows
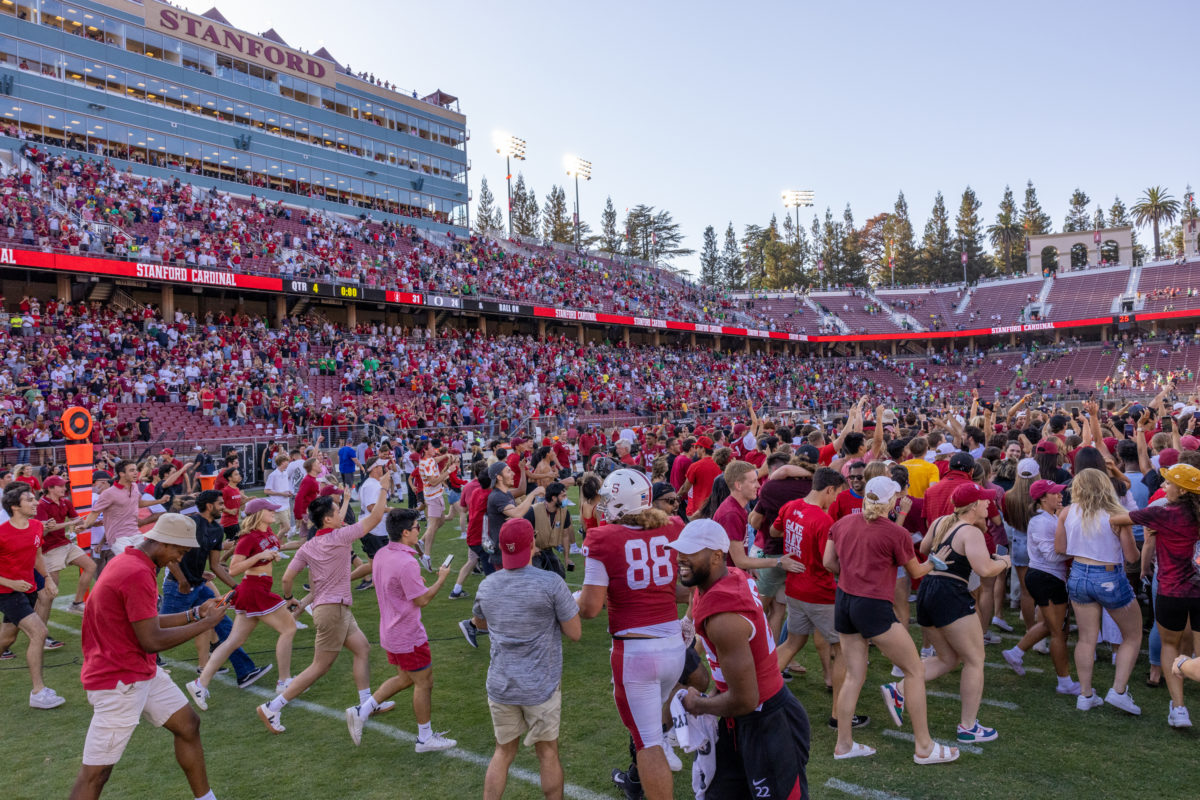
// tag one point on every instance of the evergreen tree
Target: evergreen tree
(522, 224)
(1035, 221)
(710, 260)
(832, 249)
(653, 235)
(876, 250)
(1077, 213)
(779, 264)
(532, 212)
(796, 243)
(938, 257)
(818, 267)
(733, 275)
(556, 220)
(968, 227)
(488, 221)
(610, 238)
(754, 261)
(853, 266)
(899, 232)
(1008, 237)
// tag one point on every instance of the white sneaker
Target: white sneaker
(897, 672)
(271, 719)
(670, 743)
(436, 742)
(1042, 647)
(427, 563)
(1071, 688)
(48, 698)
(1177, 716)
(1013, 658)
(1002, 625)
(928, 652)
(281, 685)
(991, 638)
(576, 550)
(198, 694)
(354, 721)
(1122, 701)
(300, 626)
(1085, 703)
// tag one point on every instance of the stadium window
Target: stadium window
(224, 66)
(94, 75)
(171, 50)
(52, 14)
(154, 44)
(8, 51)
(73, 68)
(114, 80)
(114, 33)
(133, 40)
(190, 56)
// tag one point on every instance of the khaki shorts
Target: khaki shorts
(770, 581)
(335, 622)
(58, 558)
(116, 713)
(541, 721)
(804, 618)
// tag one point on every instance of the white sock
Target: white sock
(208, 796)
(276, 705)
(1066, 681)
(1017, 651)
(457, 588)
(367, 706)
(425, 732)
(364, 695)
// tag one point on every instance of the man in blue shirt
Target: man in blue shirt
(347, 463)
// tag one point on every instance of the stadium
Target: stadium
(223, 249)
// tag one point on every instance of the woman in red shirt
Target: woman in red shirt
(231, 493)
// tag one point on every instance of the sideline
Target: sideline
(854, 790)
(1007, 706)
(519, 773)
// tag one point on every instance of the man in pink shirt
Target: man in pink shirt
(401, 592)
(119, 504)
(327, 556)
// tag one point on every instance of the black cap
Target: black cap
(963, 462)
(808, 453)
(661, 488)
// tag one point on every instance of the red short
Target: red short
(419, 659)
(990, 541)
(254, 597)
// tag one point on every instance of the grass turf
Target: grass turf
(1046, 748)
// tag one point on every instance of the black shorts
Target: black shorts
(764, 753)
(865, 616)
(941, 601)
(1045, 589)
(232, 532)
(16, 606)
(372, 544)
(1173, 613)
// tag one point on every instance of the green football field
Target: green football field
(1046, 748)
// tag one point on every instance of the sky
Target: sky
(710, 110)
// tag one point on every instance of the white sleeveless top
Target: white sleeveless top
(1094, 539)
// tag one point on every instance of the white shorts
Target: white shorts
(58, 558)
(644, 673)
(116, 713)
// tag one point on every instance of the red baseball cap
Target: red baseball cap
(516, 539)
(1041, 488)
(705, 443)
(52, 481)
(967, 494)
(1048, 446)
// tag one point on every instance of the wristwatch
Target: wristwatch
(779, 562)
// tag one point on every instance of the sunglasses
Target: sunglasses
(672, 500)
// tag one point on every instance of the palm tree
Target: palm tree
(1006, 234)
(1155, 206)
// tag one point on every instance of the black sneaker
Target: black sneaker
(786, 674)
(859, 721)
(7, 654)
(366, 584)
(250, 677)
(221, 671)
(459, 595)
(305, 587)
(469, 632)
(630, 789)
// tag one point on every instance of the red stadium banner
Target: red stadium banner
(191, 276)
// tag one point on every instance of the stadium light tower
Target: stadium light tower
(577, 168)
(798, 198)
(510, 147)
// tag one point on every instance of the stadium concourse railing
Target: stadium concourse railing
(191, 276)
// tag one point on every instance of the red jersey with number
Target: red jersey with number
(805, 530)
(733, 595)
(640, 571)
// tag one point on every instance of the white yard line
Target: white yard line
(1006, 666)
(1007, 706)
(519, 773)
(908, 737)
(854, 790)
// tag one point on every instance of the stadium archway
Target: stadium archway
(1049, 260)
(1085, 249)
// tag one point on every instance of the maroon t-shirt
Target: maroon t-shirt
(869, 553)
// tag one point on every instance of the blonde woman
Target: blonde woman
(945, 609)
(863, 551)
(256, 552)
(1095, 531)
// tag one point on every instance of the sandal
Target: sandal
(1154, 684)
(940, 754)
(856, 751)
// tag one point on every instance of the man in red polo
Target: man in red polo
(58, 518)
(698, 482)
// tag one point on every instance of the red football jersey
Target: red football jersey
(733, 595)
(641, 573)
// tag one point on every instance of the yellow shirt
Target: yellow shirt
(921, 474)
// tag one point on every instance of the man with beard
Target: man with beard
(763, 741)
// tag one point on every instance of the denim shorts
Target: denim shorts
(1106, 585)
(1018, 546)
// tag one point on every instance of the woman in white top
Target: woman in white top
(1046, 584)
(1097, 581)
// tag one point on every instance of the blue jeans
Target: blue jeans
(1155, 637)
(1106, 585)
(176, 602)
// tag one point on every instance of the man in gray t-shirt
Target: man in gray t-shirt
(526, 611)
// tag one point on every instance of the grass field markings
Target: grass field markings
(520, 773)
(854, 790)
(1016, 637)
(1006, 666)
(1007, 706)
(908, 737)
